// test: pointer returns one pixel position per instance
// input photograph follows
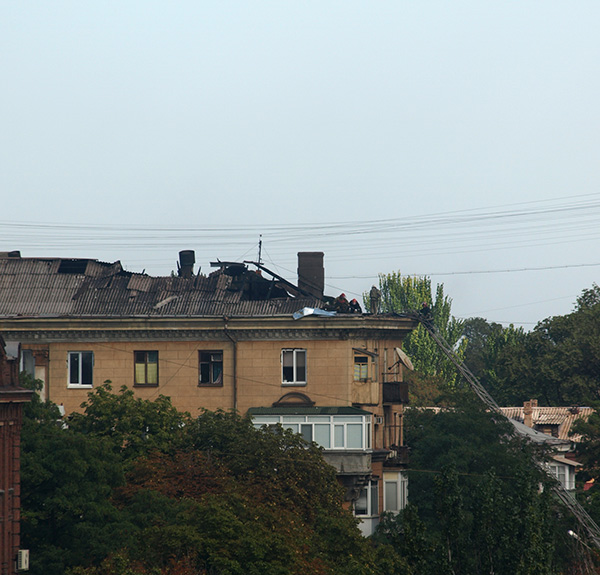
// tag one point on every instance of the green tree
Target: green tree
(401, 294)
(131, 487)
(492, 352)
(66, 483)
(134, 426)
(558, 362)
(477, 491)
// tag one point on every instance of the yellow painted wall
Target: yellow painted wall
(329, 372)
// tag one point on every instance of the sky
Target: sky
(457, 140)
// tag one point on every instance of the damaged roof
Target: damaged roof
(56, 287)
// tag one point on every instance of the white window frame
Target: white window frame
(399, 481)
(371, 493)
(563, 474)
(295, 353)
(80, 355)
(305, 425)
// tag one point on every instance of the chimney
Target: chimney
(185, 267)
(311, 274)
(528, 412)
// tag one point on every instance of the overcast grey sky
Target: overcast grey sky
(440, 138)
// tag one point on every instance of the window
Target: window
(562, 474)
(146, 367)
(395, 493)
(345, 432)
(80, 368)
(293, 366)
(368, 500)
(210, 368)
(27, 362)
(365, 364)
(361, 368)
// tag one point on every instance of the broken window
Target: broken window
(210, 368)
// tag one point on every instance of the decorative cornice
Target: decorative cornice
(55, 336)
(10, 394)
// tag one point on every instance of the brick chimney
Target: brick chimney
(311, 273)
(185, 266)
(528, 412)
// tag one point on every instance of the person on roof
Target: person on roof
(341, 304)
(374, 300)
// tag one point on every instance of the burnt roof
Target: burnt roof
(58, 287)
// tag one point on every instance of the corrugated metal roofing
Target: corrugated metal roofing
(46, 288)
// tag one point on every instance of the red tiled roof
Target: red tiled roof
(563, 417)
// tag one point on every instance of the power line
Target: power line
(473, 272)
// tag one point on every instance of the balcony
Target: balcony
(395, 392)
(365, 392)
(353, 470)
(399, 456)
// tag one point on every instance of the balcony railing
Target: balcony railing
(398, 456)
(395, 392)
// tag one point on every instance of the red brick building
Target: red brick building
(12, 398)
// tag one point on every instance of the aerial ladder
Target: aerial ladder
(569, 501)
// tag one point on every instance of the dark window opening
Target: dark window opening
(210, 368)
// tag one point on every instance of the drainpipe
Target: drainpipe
(234, 344)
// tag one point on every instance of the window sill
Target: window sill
(210, 385)
(79, 386)
(294, 383)
(145, 385)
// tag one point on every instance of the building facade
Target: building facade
(236, 339)
(12, 398)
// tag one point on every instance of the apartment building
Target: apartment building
(240, 338)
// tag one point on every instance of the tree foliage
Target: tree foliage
(140, 489)
(401, 294)
(475, 501)
(493, 352)
(66, 484)
(132, 487)
(558, 362)
(134, 426)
